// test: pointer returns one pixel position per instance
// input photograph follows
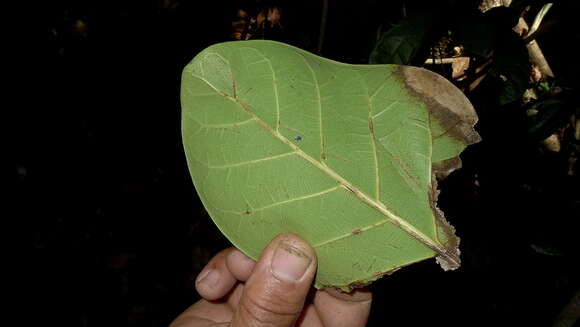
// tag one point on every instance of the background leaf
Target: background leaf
(511, 64)
(549, 114)
(403, 42)
(280, 140)
(475, 33)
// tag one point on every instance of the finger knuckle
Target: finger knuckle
(267, 311)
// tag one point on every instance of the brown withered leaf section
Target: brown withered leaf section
(450, 108)
(445, 232)
(445, 102)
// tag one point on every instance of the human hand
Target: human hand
(275, 291)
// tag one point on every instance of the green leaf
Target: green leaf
(511, 63)
(403, 42)
(548, 114)
(279, 140)
(475, 33)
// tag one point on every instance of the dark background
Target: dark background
(118, 233)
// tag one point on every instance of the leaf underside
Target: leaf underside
(279, 140)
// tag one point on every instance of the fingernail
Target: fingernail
(209, 277)
(289, 262)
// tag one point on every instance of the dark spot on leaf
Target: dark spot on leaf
(247, 212)
(356, 231)
(297, 138)
(234, 88)
(349, 188)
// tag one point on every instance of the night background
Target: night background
(118, 233)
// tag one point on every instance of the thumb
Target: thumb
(275, 292)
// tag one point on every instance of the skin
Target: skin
(276, 291)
